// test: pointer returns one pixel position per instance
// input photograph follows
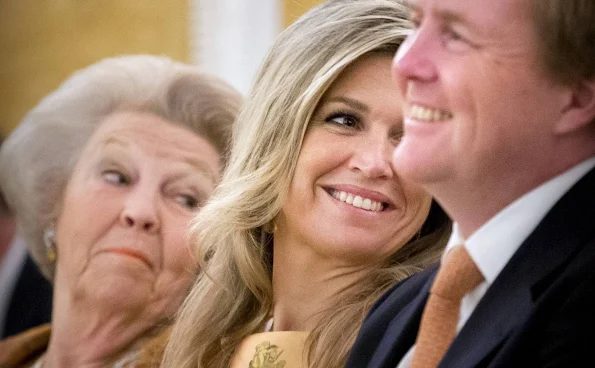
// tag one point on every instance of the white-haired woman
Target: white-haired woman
(310, 224)
(104, 176)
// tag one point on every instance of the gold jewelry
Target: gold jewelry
(270, 227)
(49, 239)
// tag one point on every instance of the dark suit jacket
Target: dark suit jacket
(31, 302)
(539, 312)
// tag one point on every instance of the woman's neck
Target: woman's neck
(306, 284)
(85, 335)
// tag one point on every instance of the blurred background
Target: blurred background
(43, 41)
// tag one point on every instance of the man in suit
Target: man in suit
(500, 128)
(25, 295)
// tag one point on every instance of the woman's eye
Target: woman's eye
(188, 201)
(115, 177)
(343, 119)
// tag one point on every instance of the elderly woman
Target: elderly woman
(104, 176)
(310, 224)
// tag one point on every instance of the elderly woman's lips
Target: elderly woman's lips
(131, 253)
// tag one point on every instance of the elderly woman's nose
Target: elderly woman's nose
(140, 210)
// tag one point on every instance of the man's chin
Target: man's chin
(415, 163)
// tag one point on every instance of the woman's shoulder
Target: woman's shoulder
(24, 349)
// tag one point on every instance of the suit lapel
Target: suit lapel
(401, 332)
(510, 299)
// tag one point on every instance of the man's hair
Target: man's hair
(566, 38)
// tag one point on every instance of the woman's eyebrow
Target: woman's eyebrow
(350, 102)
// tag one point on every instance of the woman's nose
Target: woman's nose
(372, 157)
(140, 211)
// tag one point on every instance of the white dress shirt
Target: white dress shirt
(494, 243)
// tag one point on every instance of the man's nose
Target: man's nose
(413, 61)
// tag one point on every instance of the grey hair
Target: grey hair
(37, 159)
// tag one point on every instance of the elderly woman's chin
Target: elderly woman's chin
(121, 282)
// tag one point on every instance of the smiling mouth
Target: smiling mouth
(131, 253)
(358, 201)
(427, 114)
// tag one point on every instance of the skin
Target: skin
(509, 126)
(123, 260)
(322, 243)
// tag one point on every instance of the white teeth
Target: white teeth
(349, 199)
(367, 204)
(343, 196)
(358, 201)
(427, 114)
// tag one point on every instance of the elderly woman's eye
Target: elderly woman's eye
(343, 119)
(115, 177)
(188, 201)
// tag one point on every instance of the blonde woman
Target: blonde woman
(310, 224)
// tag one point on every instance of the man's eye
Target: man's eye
(188, 201)
(342, 119)
(454, 36)
(115, 177)
(455, 40)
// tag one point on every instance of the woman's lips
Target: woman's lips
(383, 200)
(131, 253)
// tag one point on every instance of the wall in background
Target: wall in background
(230, 37)
(294, 8)
(44, 41)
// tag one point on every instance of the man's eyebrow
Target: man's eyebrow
(350, 102)
(444, 14)
(450, 16)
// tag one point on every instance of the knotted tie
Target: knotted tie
(457, 276)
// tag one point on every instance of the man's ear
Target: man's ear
(580, 110)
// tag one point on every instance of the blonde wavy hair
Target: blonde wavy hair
(233, 296)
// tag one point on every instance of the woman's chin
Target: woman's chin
(125, 287)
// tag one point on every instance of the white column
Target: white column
(229, 38)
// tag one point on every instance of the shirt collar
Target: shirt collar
(494, 243)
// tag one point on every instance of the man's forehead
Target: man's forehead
(502, 6)
(484, 15)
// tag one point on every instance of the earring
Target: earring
(49, 239)
(270, 227)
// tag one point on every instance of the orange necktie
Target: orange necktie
(457, 276)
